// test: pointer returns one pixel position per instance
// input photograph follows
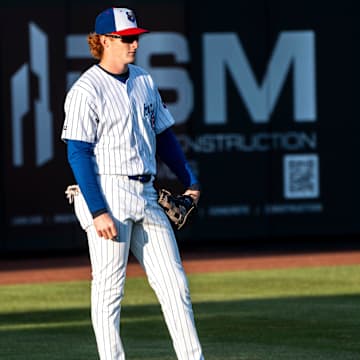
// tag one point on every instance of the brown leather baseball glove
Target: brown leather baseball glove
(176, 207)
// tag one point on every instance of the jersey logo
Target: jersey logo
(149, 114)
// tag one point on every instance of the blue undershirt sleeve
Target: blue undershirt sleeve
(81, 159)
(170, 152)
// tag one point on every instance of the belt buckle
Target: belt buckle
(142, 178)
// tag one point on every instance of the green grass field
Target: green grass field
(293, 314)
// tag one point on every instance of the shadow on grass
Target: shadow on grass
(306, 328)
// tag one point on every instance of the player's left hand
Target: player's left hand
(195, 195)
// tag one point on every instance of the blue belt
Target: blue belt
(142, 178)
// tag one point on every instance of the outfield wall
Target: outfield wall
(264, 94)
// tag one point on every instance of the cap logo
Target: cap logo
(130, 16)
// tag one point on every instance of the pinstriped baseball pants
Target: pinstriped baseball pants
(143, 229)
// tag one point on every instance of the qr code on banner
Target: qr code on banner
(301, 176)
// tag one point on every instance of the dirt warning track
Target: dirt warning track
(73, 268)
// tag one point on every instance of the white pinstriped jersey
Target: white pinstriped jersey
(121, 119)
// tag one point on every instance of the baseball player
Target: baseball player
(115, 125)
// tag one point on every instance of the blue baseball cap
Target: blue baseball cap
(119, 21)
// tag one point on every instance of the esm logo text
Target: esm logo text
(224, 53)
(294, 52)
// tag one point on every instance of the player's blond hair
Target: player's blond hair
(96, 48)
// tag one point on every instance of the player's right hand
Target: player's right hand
(105, 226)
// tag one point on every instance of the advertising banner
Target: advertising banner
(275, 117)
(264, 101)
